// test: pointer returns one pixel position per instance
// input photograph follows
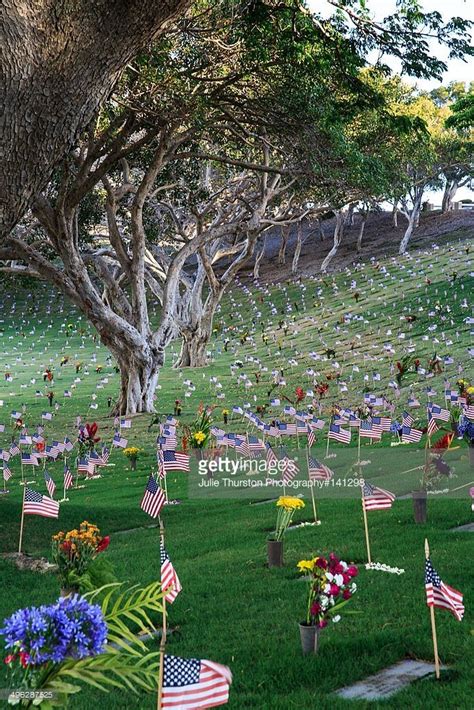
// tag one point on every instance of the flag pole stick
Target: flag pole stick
(313, 500)
(358, 451)
(327, 446)
(22, 520)
(366, 526)
(433, 622)
(163, 636)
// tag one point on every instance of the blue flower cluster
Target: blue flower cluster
(466, 429)
(71, 628)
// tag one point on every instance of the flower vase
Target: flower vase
(309, 637)
(275, 553)
(133, 464)
(419, 506)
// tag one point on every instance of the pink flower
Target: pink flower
(346, 594)
(334, 590)
(315, 609)
(322, 624)
(352, 571)
(321, 562)
(345, 577)
(9, 659)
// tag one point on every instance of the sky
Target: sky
(457, 69)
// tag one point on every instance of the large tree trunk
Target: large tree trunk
(194, 348)
(285, 232)
(364, 216)
(58, 62)
(298, 247)
(337, 239)
(413, 218)
(139, 378)
(449, 194)
(258, 259)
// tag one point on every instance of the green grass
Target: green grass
(233, 609)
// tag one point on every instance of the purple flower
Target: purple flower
(71, 628)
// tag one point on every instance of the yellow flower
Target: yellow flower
(199, 436)
(306, 565)
(290, 502)
(470, 390)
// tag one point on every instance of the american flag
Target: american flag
(68, 445)
(432, 426)
(407, 419)
(411, 435)
(242, 446)
(29, 460)
(271, 456)
(169, 578)
(354, 421)
(317, 471)
(175, 461)
(167, 443)
(375, 498)
(287, 429)
(311, 437)
(255, 444)
(438, 412)
(452, 395)
(367, 431)
(288, 409)
(50, 484)
(47, 416)
(469, 411)
(339, 434)
(193, 684)
(7, 474)
(37, 504)
(24, 440)
(153, 499)
(440, 595)
(5, 455)
(15, 415)
(85, 466)
(14, 449)
(125, 423)
(68, 482)
(413, 402)
(104, 455)
(316, 423)
(119, 441)
(290, 469)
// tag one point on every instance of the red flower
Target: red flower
(334, 590)
(103, 544)
(322, 623)
(299, 394)
(24, 657)
(322, 563)
(9, 659)
(66, 546)
(346, 594)
(315, 609)
(40, 446)
(352, 571)
(92, 431)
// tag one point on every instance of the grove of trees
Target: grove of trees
(152, 153)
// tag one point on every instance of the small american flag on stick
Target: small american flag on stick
(36, 504)
(374, 498)
(440, 595)
(169, 579)
(192, 684)
(153, 499)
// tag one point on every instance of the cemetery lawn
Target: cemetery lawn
(233, 609)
